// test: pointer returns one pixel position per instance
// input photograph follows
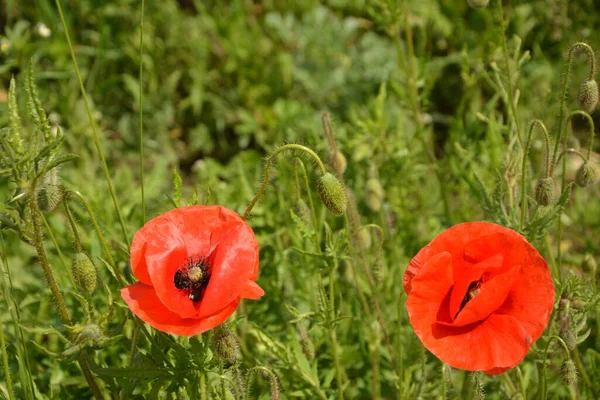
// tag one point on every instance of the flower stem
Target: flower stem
(332, 334)
(95, 135)
(141, 106)
(7, 373)
(77, 240)
(269, 163)
(510, 94)
(533, 124)
(58, 297)
(543, 380)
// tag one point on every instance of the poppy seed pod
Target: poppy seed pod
(332, 193)
(478, 4)
(49, 196)
(568, 372)
(586, 175)
(84, 272)
(225, 344)
(587, 95)
(374, 194)
(544, 191)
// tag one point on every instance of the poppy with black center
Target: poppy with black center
(194, 265)
(479, 296)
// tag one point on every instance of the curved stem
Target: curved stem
(95, 135)
(543, 380)
(577, 47)
(510, 95)
(311, 203)
(563, 181)
(269, 163)
(76, 239)
(103, 242)
(534, 123)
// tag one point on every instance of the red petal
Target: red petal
(499, 342)
(251, 291)
(430, 288)
(451, 240)
(233, 263)
(144, 303)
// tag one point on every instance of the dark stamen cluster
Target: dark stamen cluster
(472, 291)
(193, 278)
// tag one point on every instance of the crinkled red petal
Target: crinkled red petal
(144, 303)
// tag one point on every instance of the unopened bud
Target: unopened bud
(365, 238)
(544, 191)
(303, 211)
(570, 339)
(586, 174)
(91, 332)
(589, 263)
(374, 194)
(49, 196)
(274, 383)
(478, 4)
(587, 96)
(308, 347)
(84, 272)
(332, 193)
(568, 373)
(225, 344)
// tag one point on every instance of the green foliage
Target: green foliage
(423, 136)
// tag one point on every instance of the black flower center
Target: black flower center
(193, 278)
(472, 292)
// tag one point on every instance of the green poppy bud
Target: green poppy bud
(225, 344)
(84, 272)
(340, 161)
(568, 373)
(49, 196)
(587, 96)
(303, 211)
(478, 4)
(586, 174)
(570, 339)
(332, 193)
(545, 191)
(374, 194)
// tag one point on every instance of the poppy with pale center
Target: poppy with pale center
(194, 265)
(479, 296)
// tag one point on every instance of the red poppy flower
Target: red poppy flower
(194, 264)
(479, 296)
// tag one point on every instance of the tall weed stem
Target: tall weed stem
(547, 168)
(95, 135)
(543, 382)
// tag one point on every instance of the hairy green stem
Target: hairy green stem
(416, 108)
(141, 105)
(103, 242)
(95, 135)
(56, 293)
(311, 203)
(7, 373)
(76, 239)
(534, 123)
(333, 336)
(269, 163)
(544, 380)
(510, 94)
(58, 250)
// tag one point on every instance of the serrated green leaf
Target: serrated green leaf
(146, 373)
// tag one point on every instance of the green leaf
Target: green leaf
(177, 183)
(146, 373)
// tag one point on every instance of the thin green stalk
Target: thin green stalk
(134, 343)
(332, 334)
(563, 180)
(56, 293)
(511, 93)
(58, 250)
(543, 383)
(7, 373)
(467, 386)
(444, 384)
(269, 163)
(76, 238)
(581, 368)
(534, 123)
(96, 137)
(142, 115)
(203, 389)
(415, 104)
(101, 237)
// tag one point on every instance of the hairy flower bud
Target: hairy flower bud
(544, 191)
(568, 372)
(570, 338)
(332, 193)
(586, 174)
(303, 211)
(225, 344)
(374, 194)
(308, 347)
(587, 96)
(49, 196)
(84, 272)
(478, 4)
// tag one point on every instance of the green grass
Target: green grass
(418, 96)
